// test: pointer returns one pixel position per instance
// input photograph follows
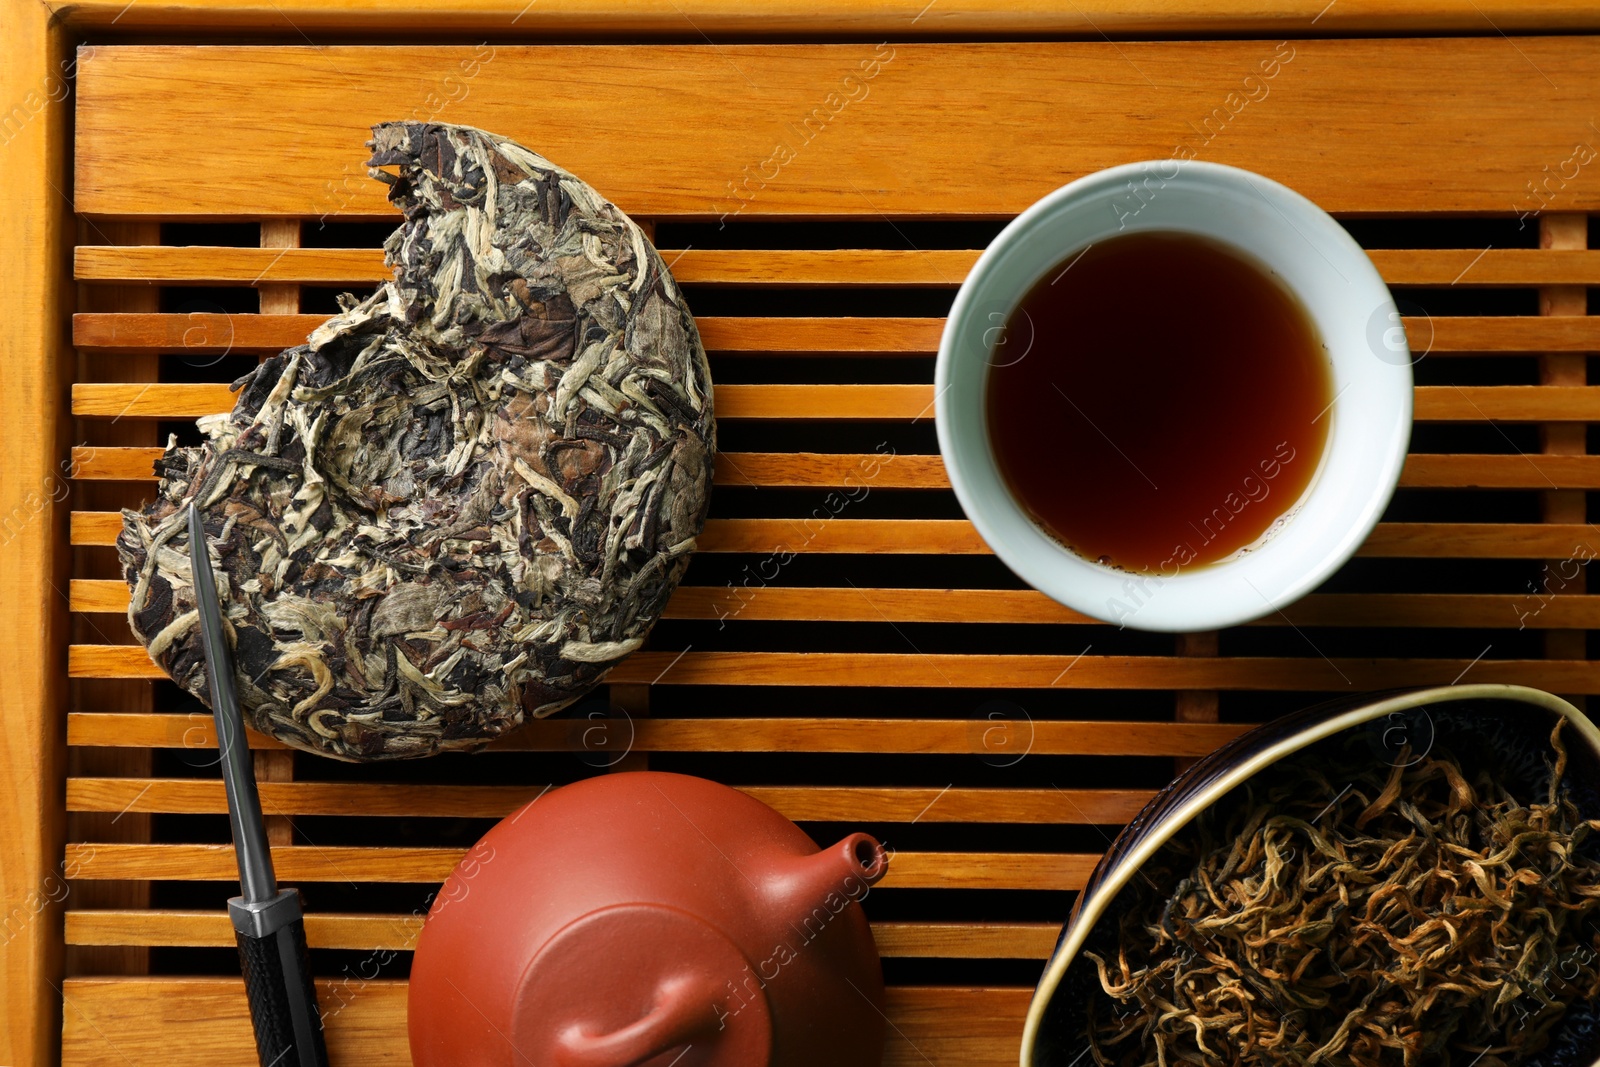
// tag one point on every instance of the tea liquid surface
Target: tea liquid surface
(1158, 401)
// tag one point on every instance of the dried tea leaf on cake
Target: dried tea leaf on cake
(468, 495)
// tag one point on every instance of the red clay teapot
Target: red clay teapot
(645, 919)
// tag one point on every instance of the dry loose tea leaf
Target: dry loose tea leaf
(470, 494)
(1357, 914)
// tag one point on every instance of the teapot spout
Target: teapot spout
(820, 886)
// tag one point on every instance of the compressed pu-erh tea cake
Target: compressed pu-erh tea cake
(469, 495)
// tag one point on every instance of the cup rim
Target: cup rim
(1199, 599)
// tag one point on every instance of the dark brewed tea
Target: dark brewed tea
(1158, 401)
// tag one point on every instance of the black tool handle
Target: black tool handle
(283, 1002)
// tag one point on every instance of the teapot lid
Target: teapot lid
(641, 985)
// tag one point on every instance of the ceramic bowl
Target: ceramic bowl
(1338, 286)
(1512, 719)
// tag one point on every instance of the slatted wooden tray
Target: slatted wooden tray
(845, 648)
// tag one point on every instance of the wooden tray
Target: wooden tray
(845, 648)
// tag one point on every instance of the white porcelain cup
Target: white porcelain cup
(1334, 281)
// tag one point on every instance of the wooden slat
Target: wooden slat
(950, 536)
(103, 595)
(115, 464)
(922, 736)
(603, 19)
(792, 469)
(1508, 403)
(226, 265)
(211, 929)
(956, 536)
(139, 1022)
(850, 402)
(904, 471)
(1483, 267)
(1308, 674)
(298, 863)
(814, 534)
(819, 533)
(199, 334)
(36, 228)
(1475, 540)
(1434, 403)
(854, 268)
(398, 932)
(95, 527)
(993, 940)
(1424, 470)
(800, 803)
(138, 108)
(1444, 610)
(1455, 334)
(846, 604)
(1058, 871)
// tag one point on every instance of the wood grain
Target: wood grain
(822, 533)
(843, 402)
(140, 105)
(1104, 807)
(870, 669)
(853, 268)
(590, 19)
(846, 604)
(898, 403)
(243, 334)
(215, 334)
(366, 1022)
(1054, 871)
(35, 231)
(366, 932)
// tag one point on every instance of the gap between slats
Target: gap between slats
(839, 735)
